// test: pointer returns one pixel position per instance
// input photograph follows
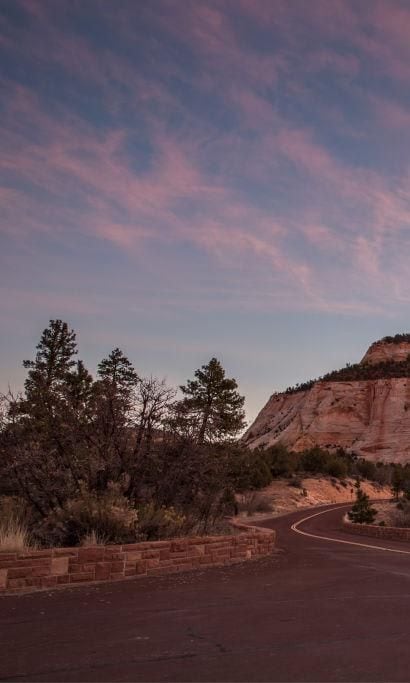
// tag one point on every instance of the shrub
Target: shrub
(280, 461)
(315, 461)
(337, 468)
(296, 482)
(401, 516)
(253, 502)
(107, 514)
(93, 537)
(155, 523)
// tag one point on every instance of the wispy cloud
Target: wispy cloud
(216, 151)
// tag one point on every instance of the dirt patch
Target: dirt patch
(282, 497)
(391, 515)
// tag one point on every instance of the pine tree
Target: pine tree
(53, 362)
(119, 372)
(362, 512)
(212, 404)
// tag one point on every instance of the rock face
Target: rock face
(370, 417)
(380, 351)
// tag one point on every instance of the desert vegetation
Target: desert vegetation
(360, 371)
(119, 457)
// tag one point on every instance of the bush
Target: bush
(156, 523)
(280, 461)
(248, 470)
(107, 515)
(337, 468)
(14, 532)
(362, 512)
(401, 516)
(296, 482)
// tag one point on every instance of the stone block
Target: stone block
(19, 572)
(102, 571)
(16, 583)
(59, 566)
(150, 554)
(133, 555)
(40, 571)
(3, 578)
(94, 554)
(117, 566)
(81, 576)
(65, 552)
(48, 581)
(141, 567)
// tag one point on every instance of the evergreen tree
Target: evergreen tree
(362, 512)
(212, 404)
(397, 482)
(53, 362)
(119, 372)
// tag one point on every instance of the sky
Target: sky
(196, 178)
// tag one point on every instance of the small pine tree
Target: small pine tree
(362, 512)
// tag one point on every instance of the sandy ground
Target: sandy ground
(390, 515)
(282, 498)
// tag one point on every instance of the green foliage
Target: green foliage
(359, 372)
(211, 402)
(108, 514)
(53, 361)
(396, 339)
(156, 523)
(366, 469)
(69, 437)
(117, 372)
(281, 461)
(314, 461)
(248, 470)
(362, 512)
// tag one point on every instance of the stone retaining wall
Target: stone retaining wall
(39, 569)
(391, 533)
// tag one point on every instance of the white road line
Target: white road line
(295, 528)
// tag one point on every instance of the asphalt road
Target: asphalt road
(315, 611)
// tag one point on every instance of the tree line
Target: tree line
(359, 372)
(124, 457)
(72, 445)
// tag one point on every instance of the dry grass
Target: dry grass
(93, 538)
(14, 536)
(253, 502)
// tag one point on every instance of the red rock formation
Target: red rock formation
(371, 417)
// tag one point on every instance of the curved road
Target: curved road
(317, 610)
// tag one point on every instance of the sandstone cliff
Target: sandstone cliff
(380, 352)
(370, 417)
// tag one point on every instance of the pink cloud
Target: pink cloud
(132, 208)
